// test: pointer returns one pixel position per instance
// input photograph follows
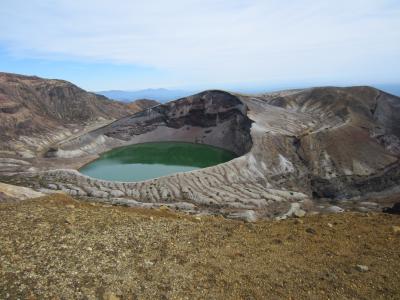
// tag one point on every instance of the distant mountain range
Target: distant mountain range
(161, 94)
(164, 95)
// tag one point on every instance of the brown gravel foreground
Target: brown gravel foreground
(55, 247)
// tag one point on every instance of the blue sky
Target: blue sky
(196, 44)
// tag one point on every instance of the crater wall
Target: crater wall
(296, 149)
(215, 118)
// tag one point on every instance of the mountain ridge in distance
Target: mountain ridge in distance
(158, 94)
(164, 95)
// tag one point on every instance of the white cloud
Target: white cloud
(220, 41)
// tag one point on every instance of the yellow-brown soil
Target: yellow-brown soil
(56, 247)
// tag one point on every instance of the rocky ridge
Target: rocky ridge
(296, 149)
(36, 112)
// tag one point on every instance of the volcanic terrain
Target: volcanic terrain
(328, 156)
(298, 150)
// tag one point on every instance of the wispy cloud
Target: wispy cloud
(215, 41)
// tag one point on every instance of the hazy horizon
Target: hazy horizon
(195, 45)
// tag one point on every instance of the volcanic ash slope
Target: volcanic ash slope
(293, 147)
(35, 112)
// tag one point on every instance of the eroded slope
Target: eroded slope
(295, 146)
(35, 112)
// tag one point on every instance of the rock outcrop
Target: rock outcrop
(13, 193)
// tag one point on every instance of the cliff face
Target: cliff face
(32, 107)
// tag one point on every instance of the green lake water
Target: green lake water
(150, 160)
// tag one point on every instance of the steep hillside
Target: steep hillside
(298, 149)
(34, 107)
(295, 146)
(142, 104)
(215, 117)
(342, 140)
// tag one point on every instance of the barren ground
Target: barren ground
(56, 247)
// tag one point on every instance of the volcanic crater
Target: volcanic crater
(297, 150)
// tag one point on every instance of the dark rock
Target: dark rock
(395, 209)
(311, 230)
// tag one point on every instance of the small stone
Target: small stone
(148, 262)
(294, 211)
(396, 229)
(330, 225)
(63, 246)
(70, 220)
(313, 213)
(164, 208)
(334, 209)
(311, 230)
(277, 241)
(363, 209)
(299, 213)
(395, 209)
(246, 215)
(250, 216)
(70, 206)
(362, 268)
(89, 249)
